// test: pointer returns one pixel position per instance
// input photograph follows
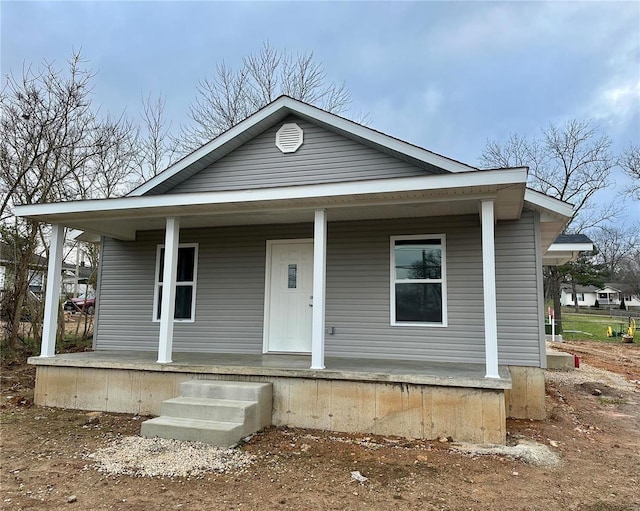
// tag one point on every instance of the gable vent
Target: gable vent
(289, 137)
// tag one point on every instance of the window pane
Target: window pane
(161, 265)
(159, 302)
(186, 258)
(184, 297)
(418, 259)
(419, 302)
(292, 276)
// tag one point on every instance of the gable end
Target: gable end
(324, 157)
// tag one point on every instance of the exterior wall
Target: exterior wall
(412, 411)
(324, 157)
(520, 313)
(230, 291)
(566, 298)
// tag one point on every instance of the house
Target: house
(37, 269)
(75, 278)
(613, 293)
(586, 295)
(610, 295)
(378, 286)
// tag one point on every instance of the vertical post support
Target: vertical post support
(52, 294)
(319, 284)
(487, 218)
(169, 273)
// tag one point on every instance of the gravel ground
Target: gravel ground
(159, 457)
(531, 453)
(586, 373)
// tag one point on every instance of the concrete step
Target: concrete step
(218, 389)
(202, 408)
(213, 411)
(221, 434)
(560, 360)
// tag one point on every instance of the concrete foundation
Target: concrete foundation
(413, 410)
(525, 398)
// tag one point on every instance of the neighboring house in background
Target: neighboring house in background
(586, 295)
(613, 293)
(75, 280)
(377, 286)
(609, 296)
(37, 269)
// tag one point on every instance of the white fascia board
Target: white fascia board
(570, 247)
(203, 151)
(304, 110)
(75, 234)
(379, 138)
(498, 177)
(88, 236)
(553, 206)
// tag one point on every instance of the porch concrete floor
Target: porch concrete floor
(291, 366)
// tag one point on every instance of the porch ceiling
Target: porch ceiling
(452, 194)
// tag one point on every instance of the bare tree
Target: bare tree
(630, 163)
(156, 148)
(53, 147)
(629, 271)
(614, 246)
(571, 163)
(232, 95)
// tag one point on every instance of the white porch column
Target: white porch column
(319, 280)
(52, 294)
(168, 307)
(487, 219)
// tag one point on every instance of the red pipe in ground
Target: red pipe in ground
(576, 361)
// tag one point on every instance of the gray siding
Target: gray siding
(324, 157)
(230, 291)
(517, 274)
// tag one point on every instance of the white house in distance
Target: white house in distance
(611, 295)
(375, 285)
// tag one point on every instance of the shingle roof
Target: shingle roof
(572, 238)
(580, 288)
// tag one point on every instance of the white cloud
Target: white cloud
(431, 99)
(615, 100)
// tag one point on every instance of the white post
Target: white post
(319, 281)
(168, 307)
(489, 286)
(52, 294)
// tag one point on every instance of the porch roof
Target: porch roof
(290, 366)
(429, 195)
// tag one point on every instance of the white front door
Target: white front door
(289, 296)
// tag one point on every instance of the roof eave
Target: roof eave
(278, 110)
(118, 217)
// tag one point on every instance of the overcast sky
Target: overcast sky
(446, 76)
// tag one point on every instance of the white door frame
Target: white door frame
(267, 285)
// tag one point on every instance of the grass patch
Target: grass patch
(590, 327)
(611, 401)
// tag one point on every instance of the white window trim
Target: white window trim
(157, 284)
(442, 280)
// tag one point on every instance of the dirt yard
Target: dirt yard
(593, 425)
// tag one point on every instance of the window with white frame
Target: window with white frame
(418, 280)
(186, 276)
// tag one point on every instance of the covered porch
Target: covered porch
(414, 399)
(491, 195)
